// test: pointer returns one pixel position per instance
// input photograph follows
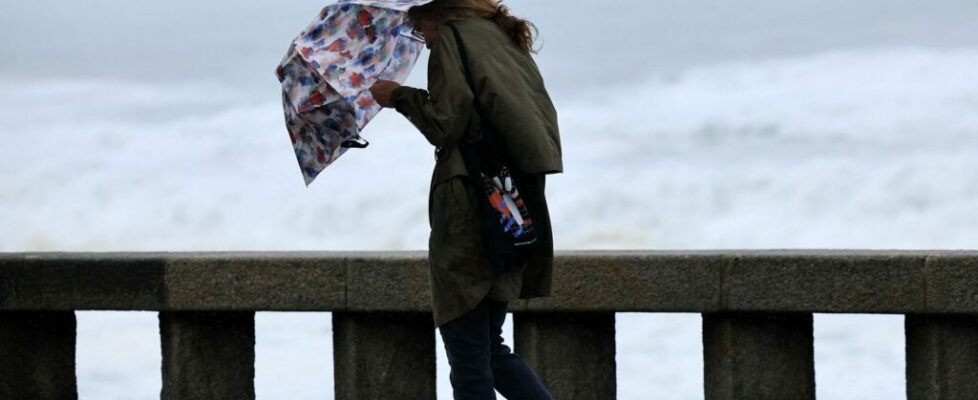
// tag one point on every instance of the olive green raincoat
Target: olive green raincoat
(511, 89)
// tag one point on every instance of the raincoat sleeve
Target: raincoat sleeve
(442, 112)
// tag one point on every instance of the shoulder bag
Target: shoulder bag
(507, 228)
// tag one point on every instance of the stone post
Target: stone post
(572, 353)
(383, 355)
(37, 355)
(758, 356)
(208, 355)
(942, 356)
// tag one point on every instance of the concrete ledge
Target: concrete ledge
(633, 281)
(855, 281)
(829, 282)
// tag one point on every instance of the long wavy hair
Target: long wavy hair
(521, 31)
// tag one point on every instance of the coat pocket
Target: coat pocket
(455, 243)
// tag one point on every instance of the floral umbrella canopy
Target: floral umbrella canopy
(329, 68)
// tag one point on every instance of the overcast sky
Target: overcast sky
(585, 42)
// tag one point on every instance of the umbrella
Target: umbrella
(328, 70)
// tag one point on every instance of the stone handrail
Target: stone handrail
(757, 316)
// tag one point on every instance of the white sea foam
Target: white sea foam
(859, 149)
(878, 145)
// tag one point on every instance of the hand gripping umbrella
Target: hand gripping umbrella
(328, 70)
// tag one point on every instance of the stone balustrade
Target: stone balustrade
(756, 307)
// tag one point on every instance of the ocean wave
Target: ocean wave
(842, 149)
(886, 94)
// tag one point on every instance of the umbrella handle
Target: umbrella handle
(355, 143)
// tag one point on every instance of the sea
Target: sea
(705, 124)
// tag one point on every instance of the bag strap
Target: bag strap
(498, 149)
(466, 68)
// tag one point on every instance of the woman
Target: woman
(468, 300)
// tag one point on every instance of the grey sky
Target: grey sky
(585, 42)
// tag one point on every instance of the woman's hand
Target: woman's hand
(382, 91)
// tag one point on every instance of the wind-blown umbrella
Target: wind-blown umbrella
(328, 70)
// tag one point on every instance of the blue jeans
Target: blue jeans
(480, 361)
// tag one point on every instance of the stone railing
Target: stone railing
(756, 305)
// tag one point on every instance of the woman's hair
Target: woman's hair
(521, 31)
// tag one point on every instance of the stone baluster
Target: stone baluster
(37, 355)
(572, 352)
(758, 356)
(942, 357)
(383, 355)
(208, 355)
